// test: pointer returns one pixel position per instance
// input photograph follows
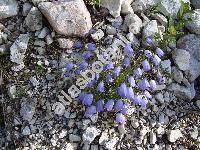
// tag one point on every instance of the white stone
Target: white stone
(194, 133)
(126, 7)
(166, 65)
(193, 23)
(18, 49)
(177, 74)
(182, 92)
(114, 7)
(70, 18)
(98, 35)
(33, 20)
(162, 19)
(198, 103)
(12, 91)
(159, 97)
(150, 29)
(74, 138)
(152, 137)
(90, 134)
(196, 3)
(27, 111)
(122, 129)
(104, 137)
(65, 43)
(26, 131)
(181, 58)
(174, 135)
(43, 33)
(8, 8)
(170, 7)
(62, 134)
(110, 144)
(26, 9)
(191, 43)
(133, 22)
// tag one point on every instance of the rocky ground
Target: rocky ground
(39, 37)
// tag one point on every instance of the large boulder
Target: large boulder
(8, 8)
(70, 18)
(194, 24)
(170, 7)
(181, 58)
(196, 3)
(191, 43)
(183, 92)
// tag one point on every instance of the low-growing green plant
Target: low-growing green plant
(175, 27)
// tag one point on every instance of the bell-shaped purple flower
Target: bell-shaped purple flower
(69, 66)
(99, 105)
(109, 78)
(152, 84)
(97, 76)
(77, 71)
(126, 62)
(117, 71)
(108, 66)
(131, 81)
(122, 90)
(86, 55)
(143, 103)
(148, 54)
(83, 65)
(118, 105)
(77, 45)
(88, 99)
(109, 105)
(100, 87)
(91, 47)
(147, 94)
(90, 111)
(137, 99)
(156, 60)
(81, 96)
(130, 93)
(91, 83)
(128, 50)
(149, 40)
(120, 118)
(125, 108)
(66, 74)
(144, 84)
(137, 72)
(159, 52)
(146, 65)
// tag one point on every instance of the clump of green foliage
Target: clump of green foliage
(175, 27)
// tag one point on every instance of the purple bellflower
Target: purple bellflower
(119, 105)
(144, 84)
(122, 90)
(90, 111)
(100, 87)
(131, 81)
(117, 71)
(99, 105)
(88, 99)
(120, 118)
(109, 105)
(146, 65)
